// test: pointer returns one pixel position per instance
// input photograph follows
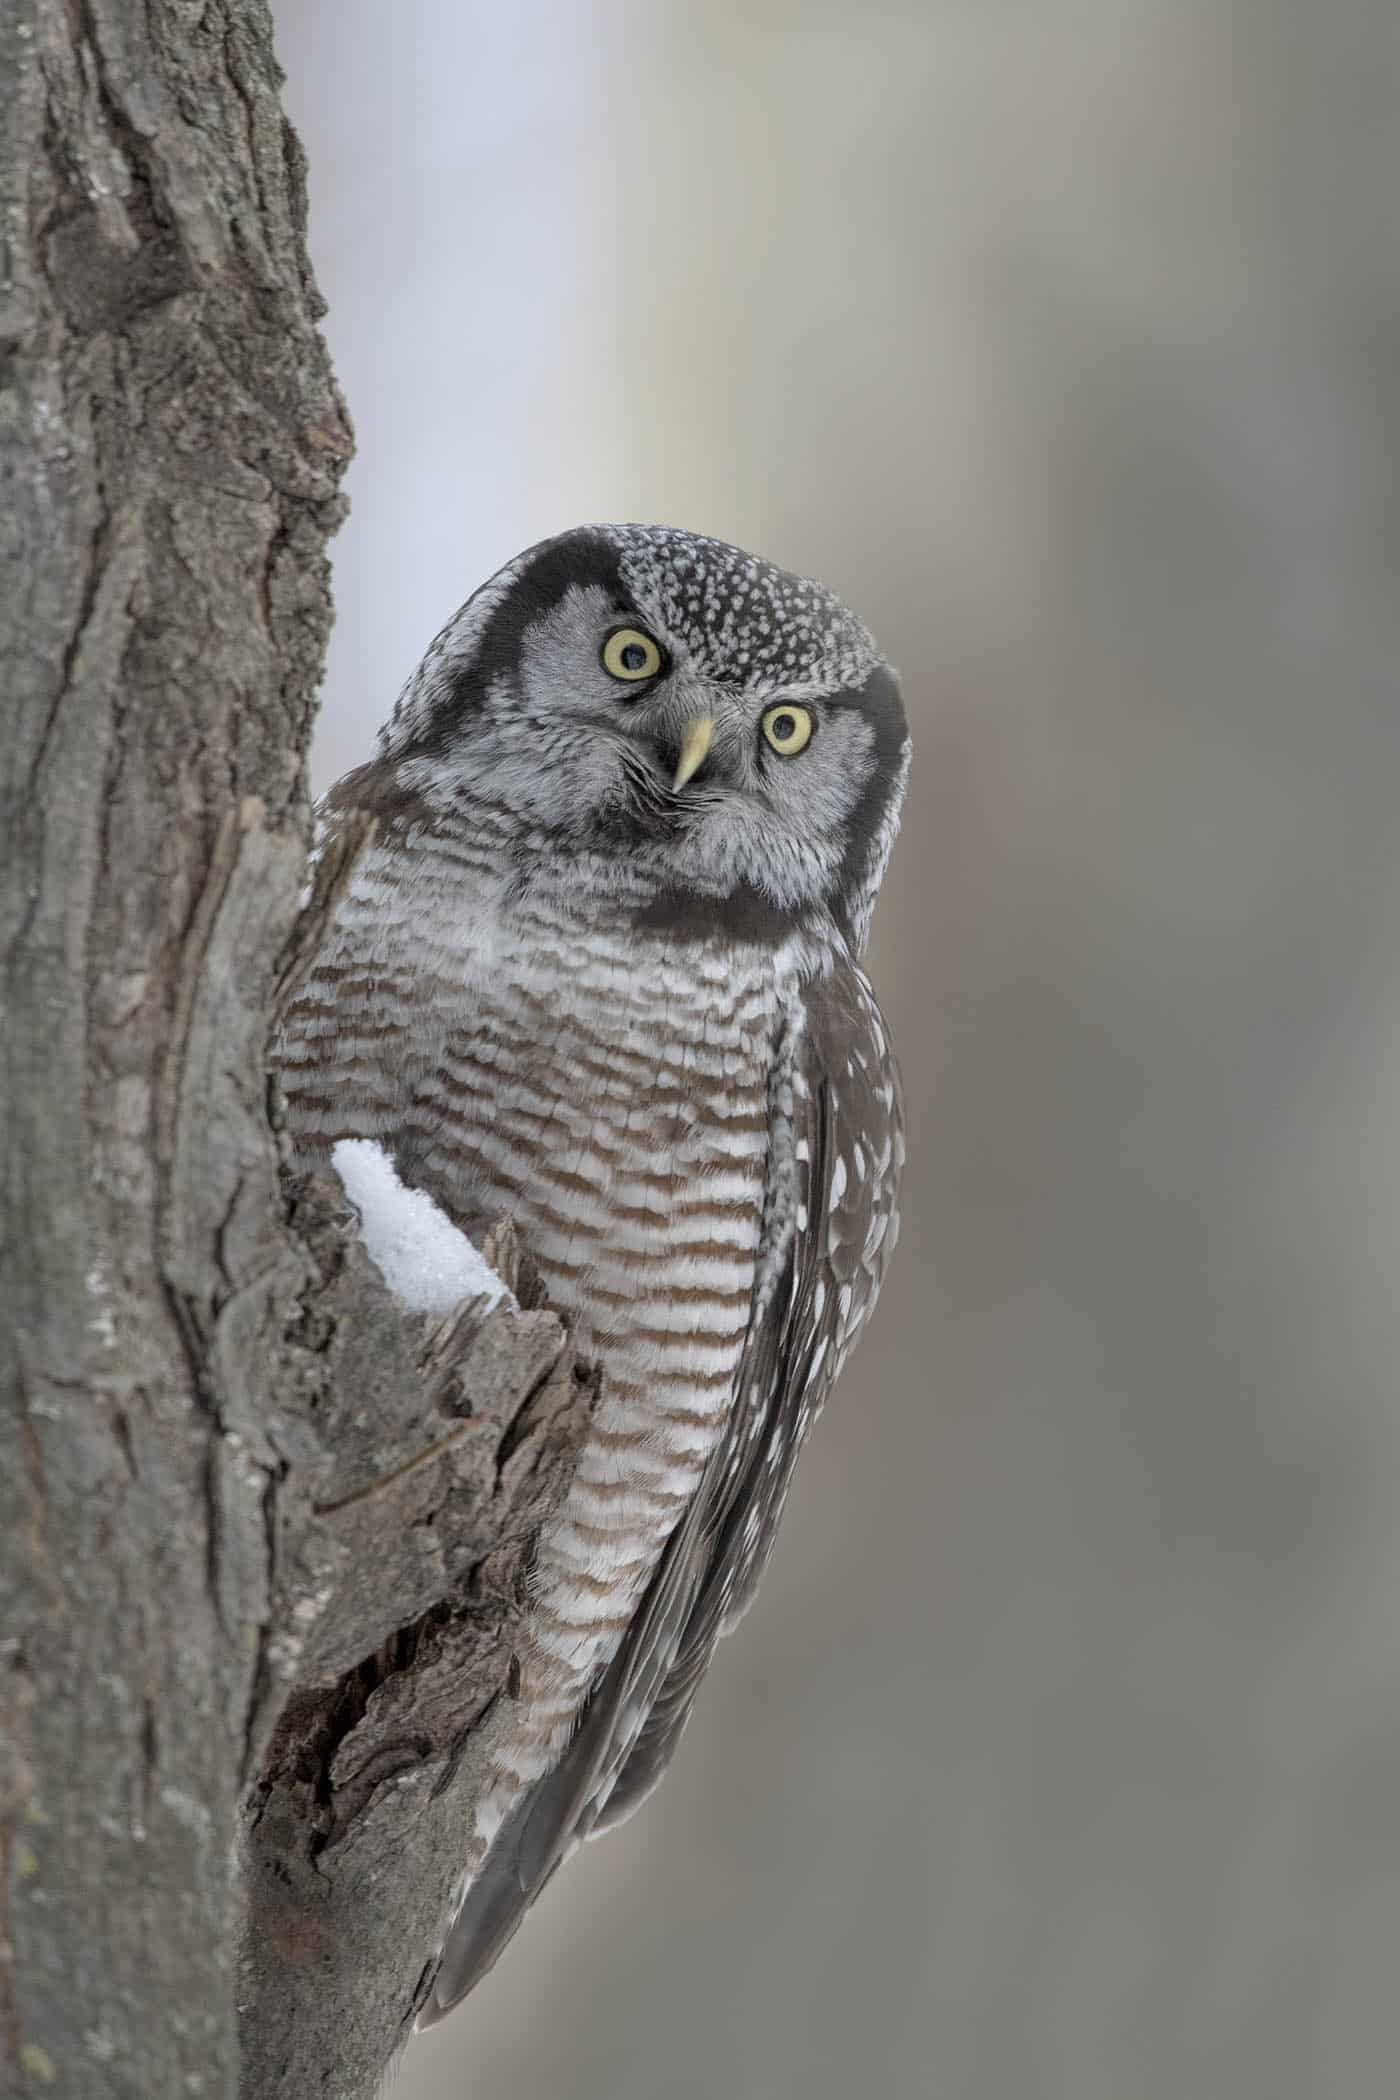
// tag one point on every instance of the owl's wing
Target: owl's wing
(848, 1147)
(830, 1222)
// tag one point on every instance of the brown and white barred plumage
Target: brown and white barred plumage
(630, 1017)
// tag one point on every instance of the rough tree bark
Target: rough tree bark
(261, 1531)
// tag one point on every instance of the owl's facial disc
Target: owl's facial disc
(691, 722)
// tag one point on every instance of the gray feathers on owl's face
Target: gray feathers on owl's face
(576, 688)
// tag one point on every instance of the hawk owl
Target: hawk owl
(599, 971)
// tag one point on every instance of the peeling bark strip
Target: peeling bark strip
(261, 1530)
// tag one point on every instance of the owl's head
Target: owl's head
(710, 740)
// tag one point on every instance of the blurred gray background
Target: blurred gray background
(1060, 1757)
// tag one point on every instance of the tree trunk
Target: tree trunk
(260, 1529)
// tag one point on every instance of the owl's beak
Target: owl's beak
(695, 742)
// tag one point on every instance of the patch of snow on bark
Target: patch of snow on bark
(419, 1252)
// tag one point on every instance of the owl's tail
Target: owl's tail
(491, 1913)
(559, 1810)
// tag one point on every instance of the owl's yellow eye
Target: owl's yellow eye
(788, 729)
(630, 654)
